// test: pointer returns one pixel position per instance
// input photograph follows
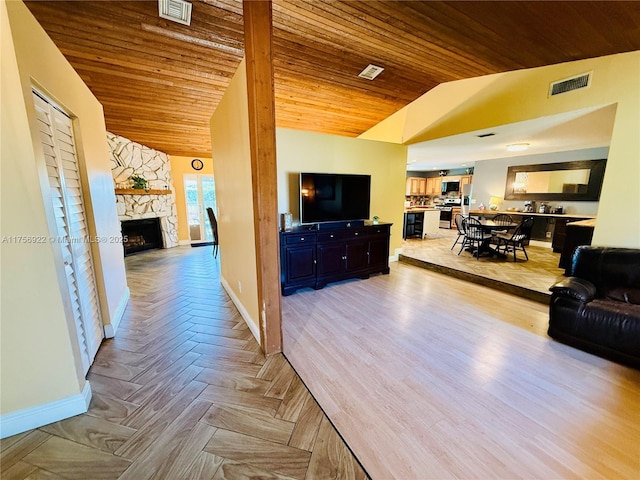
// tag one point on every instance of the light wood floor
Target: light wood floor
(530, 279)
(184, 392)
(430, 377)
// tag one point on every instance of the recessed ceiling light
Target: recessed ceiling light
(517, 147)
(371, 71)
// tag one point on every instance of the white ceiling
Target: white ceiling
(576, 130)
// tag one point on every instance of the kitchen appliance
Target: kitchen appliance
(446, 211)
(529, 206)
(558, 210)
(543, 208)
(450, 186)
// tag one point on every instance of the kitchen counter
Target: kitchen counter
(531, 214)
(419, 208)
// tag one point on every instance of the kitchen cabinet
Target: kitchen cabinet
(416, 186)
(465, 180)
(434, 186)
(298, 259)
(314, 258)
(577, 234)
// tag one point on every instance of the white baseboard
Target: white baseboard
(243, 312)
(111, 328)
(394, 257)
(184, 242)
(540, 243)
(34, 417)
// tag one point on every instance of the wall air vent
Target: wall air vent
(176, 10)
(370, 72)
(573, 83)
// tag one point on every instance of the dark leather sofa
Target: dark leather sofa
(597, 308)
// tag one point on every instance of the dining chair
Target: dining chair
(475, 236)
(214, 230)
(517, 240)
(500, 220)
(458, 221)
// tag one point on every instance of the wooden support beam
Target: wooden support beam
(258, 32)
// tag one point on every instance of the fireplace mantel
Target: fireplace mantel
(139, 191)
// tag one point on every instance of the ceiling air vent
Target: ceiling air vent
(573, 83)
(483, 135)
(370, 72)
(176, 10)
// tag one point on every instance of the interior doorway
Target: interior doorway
(200, 193)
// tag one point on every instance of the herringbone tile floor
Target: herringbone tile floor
(184, 391)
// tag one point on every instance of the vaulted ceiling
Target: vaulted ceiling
(160, 81)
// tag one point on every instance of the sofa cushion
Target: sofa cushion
(622, 294)
(610, 323)
(607, 267)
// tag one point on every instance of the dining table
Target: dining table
(489, 226)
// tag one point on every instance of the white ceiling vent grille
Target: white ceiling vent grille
(573, 83)
(176, 10)
(370, 72)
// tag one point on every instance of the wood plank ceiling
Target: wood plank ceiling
(160, 81)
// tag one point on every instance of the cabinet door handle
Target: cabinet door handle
(344, 258)
(356, 234)
(302, 239)
(331, 236)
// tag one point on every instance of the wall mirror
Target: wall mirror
(568, 181)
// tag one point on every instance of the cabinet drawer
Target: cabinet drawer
(356, 233)
(379, 230)
(301, 238)
(328, 237)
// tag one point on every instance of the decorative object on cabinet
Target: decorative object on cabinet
(287, 222)
(494, 202)
(314, 258)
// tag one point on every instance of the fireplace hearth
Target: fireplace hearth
(141, 235)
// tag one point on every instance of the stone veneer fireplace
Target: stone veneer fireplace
(129, 158)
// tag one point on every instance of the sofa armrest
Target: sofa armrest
(574, 287)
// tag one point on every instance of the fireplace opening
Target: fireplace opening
(141, 235)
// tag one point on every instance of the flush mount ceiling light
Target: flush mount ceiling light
(176, 10)
(371, 71)
(517, 147)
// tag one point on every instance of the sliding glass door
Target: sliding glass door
(200, 193)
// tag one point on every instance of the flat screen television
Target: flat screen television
(334, 197)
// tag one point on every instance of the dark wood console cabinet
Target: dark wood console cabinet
(313, 258)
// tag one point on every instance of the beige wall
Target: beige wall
(232, 164)
(179, 167)
(484, 102)
(38, 364)
(300, 151)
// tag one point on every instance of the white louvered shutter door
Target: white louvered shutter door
(56, 133)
